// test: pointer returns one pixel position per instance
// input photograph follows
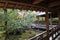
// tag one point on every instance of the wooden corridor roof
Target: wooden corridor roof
(51, 5)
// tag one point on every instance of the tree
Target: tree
(15, 19)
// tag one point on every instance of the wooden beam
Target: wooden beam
(53, 4)
(37, 1)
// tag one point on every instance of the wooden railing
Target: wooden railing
(39, 36)
(54, 32)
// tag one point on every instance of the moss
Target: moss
(24, 36)
(27, 34)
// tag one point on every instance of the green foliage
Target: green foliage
(16, 19)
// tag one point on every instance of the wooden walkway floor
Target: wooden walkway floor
(58, 38)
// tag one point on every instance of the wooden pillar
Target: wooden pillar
(59, 19)
(47, 23)
(58, 22)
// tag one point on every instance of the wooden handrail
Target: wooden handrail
(37, 35)
(52, 32)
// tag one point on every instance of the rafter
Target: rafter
(53, 4)
(18, 5)
(37, 1)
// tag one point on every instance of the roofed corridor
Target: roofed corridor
(46, 12)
